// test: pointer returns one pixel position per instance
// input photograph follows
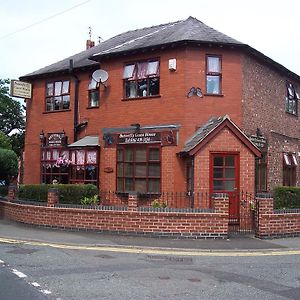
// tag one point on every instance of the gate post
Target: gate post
(53, 197)
(221, 206)
(12, 192)
(132, 201)
(265, 208)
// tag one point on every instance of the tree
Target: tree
(5, 141)
(11, 111)
(12, 118)
(8, 165)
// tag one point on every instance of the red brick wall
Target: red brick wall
(263, 104)
(225, 141)
(156, 223)
(275, 224)
(173, 107)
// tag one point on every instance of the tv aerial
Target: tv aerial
(100, 76)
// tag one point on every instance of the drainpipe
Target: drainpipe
(76, 106)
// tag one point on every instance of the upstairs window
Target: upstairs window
(289, 169)
(291, 104)
(213, 75)
(94, 95)
(141, 79)
(58, 95)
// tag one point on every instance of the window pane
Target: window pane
(286, 159)
(141, 185)
(142, 88)
(154, 170)
(218, 161)
(93, 84)
(152, 68)
(57, 103)
(140, 170)
(130, 88)
(218, 185)
(120, 169)
(129, 184)
(80, 157)
(66, 102)
(154, 185)
(218, 173)
(213, 84)
(128, 71)
(154, 154)
(140, 155)
(229, 185)
(49, 89)
(55, 154)
(90, 173)
(213, 64)
(94, 98)
(120, 155)
(58, 86)
(141, 70)
(120, 184)
(229, 173)
(128, 170)
(65, 87)
(229, 161)
(49, 104)
(153, 86)
(91, 157)
(128, 154)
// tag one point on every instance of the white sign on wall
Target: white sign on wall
(20, 89)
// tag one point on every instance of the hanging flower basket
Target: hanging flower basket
(62, 162)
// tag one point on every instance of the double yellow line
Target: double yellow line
(155, 251)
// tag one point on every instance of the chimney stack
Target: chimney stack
(89, 44)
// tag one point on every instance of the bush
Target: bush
(68, 193)
(90, 200)
(286, 197)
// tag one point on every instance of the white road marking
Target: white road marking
(1, 261)
(46, 292)
(18, 273)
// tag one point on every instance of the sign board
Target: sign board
(259, 141)
(139, 138)
(20, 89)
(55, 139)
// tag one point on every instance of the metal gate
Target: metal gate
(244, 220)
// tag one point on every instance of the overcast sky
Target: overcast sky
(61, 26)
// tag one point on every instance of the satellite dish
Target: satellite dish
(100, 75)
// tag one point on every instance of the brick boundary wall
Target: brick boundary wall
(133, 222)
(272, 225)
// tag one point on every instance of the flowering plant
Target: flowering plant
(63, 162)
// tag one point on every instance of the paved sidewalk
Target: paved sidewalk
(13, 230)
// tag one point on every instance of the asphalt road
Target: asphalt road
(98, 274)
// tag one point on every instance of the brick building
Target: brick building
(173, 107)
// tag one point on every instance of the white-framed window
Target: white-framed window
(213, 75)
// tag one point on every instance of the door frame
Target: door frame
(234, 195)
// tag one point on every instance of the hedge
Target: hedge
(286, 197)
(3, 190)
(68, 193)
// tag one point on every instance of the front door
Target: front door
(224, 178)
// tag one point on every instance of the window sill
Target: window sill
(291, 114)
(214, 95)
(56, 111)
(141, 98)
(92, 107)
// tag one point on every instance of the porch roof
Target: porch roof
(87, 141)
(210, 129)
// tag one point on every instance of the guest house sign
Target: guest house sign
(139, 138)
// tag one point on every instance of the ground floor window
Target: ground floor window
(261, 173)
(139, 168)
(64, 166)
(289, 169)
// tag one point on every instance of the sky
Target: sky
(37, 33)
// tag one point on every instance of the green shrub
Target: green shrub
(68, 193)
(90, 200)
(286, 197)
(157, 204)
(3, 190)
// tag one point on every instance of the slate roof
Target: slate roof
(212, 125)
(203, 132)
(186, 31)
(190, 30)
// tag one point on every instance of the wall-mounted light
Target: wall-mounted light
(42, 137)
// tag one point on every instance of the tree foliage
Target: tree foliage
(11, 111)
(5, 141)
(8, 165)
